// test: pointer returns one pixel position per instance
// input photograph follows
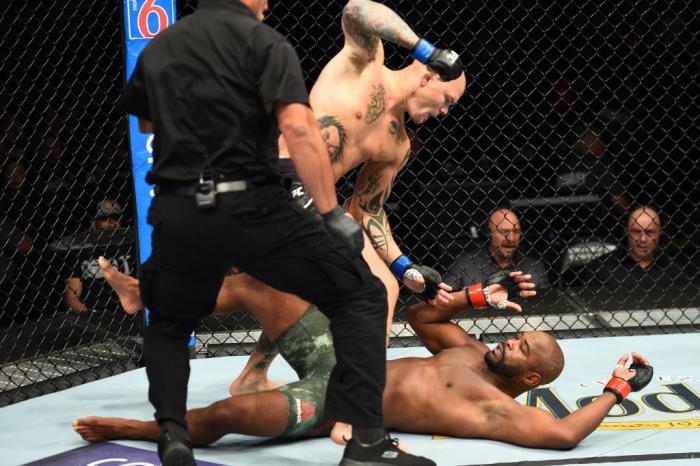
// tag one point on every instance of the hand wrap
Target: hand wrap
(478, 294)
(403, 268)
(621, 387)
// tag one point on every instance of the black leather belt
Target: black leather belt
(191, 189)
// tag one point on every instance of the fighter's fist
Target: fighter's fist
(445, 63)
(498, 287)
(345, 229)
(629, 380)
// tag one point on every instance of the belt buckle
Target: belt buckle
(205, 195)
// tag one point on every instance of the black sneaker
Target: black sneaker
(385, 452)
(175, 447)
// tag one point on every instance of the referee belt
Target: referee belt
(192, 189)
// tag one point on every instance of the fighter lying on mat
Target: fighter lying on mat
(464, 390)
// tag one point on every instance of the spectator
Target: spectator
(501, 252)
(86, 288)
(640, 264)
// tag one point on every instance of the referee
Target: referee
(216, 89)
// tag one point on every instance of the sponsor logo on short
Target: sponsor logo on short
(304, 410)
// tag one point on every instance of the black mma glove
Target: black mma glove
(431, 278)
(621, 387)
(478, 293)
(344, 228)
(445, 63)
(403, 268)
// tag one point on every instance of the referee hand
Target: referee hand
(344, 228)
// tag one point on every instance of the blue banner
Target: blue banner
(143, 20)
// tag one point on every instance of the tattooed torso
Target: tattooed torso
(355, 116)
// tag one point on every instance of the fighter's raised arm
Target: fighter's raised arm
(366, 22)
(433, 325)
(535, 428)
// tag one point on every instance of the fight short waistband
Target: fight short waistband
(192, 189)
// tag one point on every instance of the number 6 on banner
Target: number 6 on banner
(148, 8)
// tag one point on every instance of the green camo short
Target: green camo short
(308, 347)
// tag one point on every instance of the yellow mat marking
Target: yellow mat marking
(639, 425)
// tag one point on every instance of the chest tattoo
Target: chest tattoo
(334, 135)
(377, 103)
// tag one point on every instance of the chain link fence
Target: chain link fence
(574, 114)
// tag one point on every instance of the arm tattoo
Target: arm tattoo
(371, 184)
(268, 349)
(377, 104)
(365, 20)
(334, 135)
(377, 227)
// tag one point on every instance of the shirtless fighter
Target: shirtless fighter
(361, 106)
(464, 390)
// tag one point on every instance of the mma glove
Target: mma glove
(345, 229)
(621, 387)
(446, 63)
(478, 294)
(403, 268)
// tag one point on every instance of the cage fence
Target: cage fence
(575, 114)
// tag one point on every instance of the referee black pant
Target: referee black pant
(268, 236)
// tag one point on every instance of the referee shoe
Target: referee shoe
(384, 452)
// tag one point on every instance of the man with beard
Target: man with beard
(500, 253)
(463, 390)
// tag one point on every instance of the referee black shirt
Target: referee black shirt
(209, 84)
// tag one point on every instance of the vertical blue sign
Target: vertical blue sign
(143, 20)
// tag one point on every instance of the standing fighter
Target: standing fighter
(361, 106)
(214, 88)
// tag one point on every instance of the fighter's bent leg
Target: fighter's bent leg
(253, 377)
(380, 270)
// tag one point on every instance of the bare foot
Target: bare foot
(99, 429)
(126, 287)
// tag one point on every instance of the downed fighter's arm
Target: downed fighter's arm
(434, 327)
(365, 23)
(432, 323)
(532, 427)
